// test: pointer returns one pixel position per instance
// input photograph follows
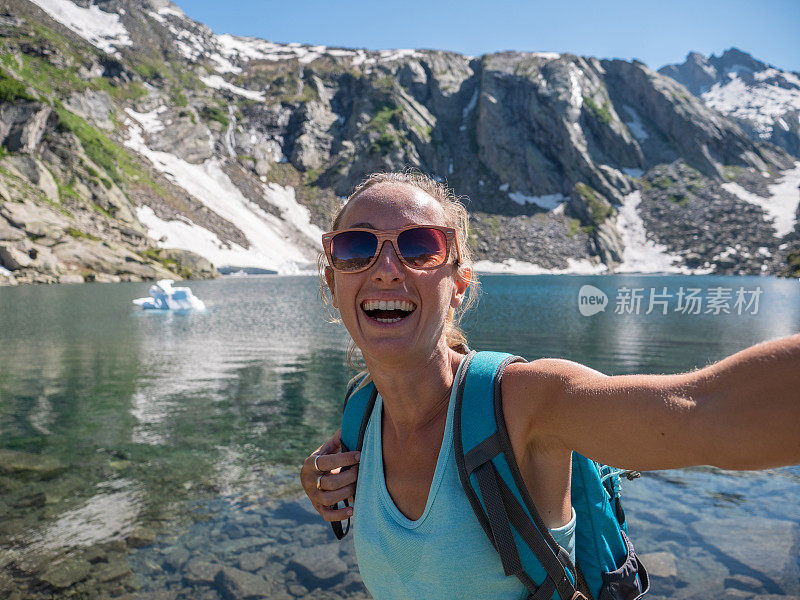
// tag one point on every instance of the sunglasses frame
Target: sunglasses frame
(391, 235)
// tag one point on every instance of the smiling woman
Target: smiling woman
(365, 249)
(398, 272)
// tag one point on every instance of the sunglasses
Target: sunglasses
(417, 246)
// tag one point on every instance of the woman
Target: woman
(739, 413)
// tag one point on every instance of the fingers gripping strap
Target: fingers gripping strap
(337, 526)
(357, 410)
(498, 519)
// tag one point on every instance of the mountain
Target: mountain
(764, 100)
(137, 143)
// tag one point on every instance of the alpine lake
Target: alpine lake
(146, 454)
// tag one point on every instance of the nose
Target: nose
(388, 266)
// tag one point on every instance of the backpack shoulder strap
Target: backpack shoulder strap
(491, 480)
(358, 404)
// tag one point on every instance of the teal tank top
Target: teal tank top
(444, 554)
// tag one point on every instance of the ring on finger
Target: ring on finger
(316, 466)
(319, 482)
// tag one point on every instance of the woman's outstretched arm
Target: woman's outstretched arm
(742, 412)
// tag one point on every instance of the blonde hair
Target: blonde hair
(456, 217)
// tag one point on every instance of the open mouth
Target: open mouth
(388, 311)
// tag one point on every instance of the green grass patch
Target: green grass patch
(149, 71)
(598, 209)
(679, 199)
(179, 98)
(731, 172)
(383, 116)
(50, 79)
(663, 182)
(190, 114)
(80, 235)
(130, 91)
(67, 192)
(215, 113)
(155, 255)
(573, 227)
(12, 90)
(380, 123)
(385, 83)
(601, 113)
(100, 150)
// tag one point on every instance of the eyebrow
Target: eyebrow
(365, 225)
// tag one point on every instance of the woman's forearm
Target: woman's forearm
(740, 413)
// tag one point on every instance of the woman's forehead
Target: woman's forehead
(390, 205)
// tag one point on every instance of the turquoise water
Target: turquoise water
(156, 455)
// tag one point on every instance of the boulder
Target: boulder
(735, 539)
(312, 149)
(34, 220)
(70, 278)
(23, 124)
(200, 571)
(660, 564)
(107, 261)
(24, 463)
(34, 171)
(234, 584)
(112, 570)
(194, 265)
(181, 137)
(5, 194)
(94, 106)
(319, 565)
(66, 573)
(13, 258)
(8, 233)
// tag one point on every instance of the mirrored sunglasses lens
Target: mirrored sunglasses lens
(423, 247)
(352, 250)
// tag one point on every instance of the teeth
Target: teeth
(403, 305)
(388, 320)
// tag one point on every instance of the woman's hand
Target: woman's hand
(327, 484)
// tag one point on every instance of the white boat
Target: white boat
(165, 297)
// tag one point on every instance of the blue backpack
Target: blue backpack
(607, 567)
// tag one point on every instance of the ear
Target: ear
(463, 279)
(331, 285)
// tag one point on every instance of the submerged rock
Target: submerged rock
(735, 538)
(320, 565)
(200, 571)
(235, 584)
(66, 573)
(21, 463)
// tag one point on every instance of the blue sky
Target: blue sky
(654, 31)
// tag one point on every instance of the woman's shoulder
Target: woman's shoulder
(532, 389)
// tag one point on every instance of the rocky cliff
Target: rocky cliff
(138, 143)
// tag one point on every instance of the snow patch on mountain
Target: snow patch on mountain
(101, 29)
(635, 124)
(236, 47)
(782, 202)
(217, 82)
(641, 255)
(512, 266)
(773, 95)
(547, 201)
(272, 245)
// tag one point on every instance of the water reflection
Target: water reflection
(122, 430)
